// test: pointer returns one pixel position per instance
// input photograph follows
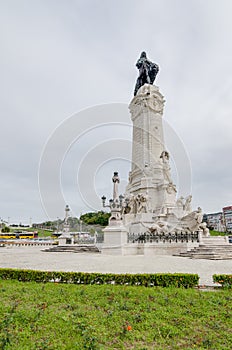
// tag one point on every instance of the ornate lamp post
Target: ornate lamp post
(115, 204)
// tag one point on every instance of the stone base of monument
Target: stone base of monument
(66, 239)
(148, 249)
(115, 238)
(152, 249)
(135, 240)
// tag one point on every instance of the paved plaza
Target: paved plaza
(34, 258)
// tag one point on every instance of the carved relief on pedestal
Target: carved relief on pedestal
(149, 97)
(171, 188)
(136, 204)
(142, 203)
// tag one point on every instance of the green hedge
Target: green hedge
(148, 280)
(224, 280)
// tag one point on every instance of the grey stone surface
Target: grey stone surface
(34, 258)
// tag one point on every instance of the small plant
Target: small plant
(224, 280)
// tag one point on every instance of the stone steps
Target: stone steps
(74, 249)
(219, 247)
(217, 240)
(211, 248)
(210, 255)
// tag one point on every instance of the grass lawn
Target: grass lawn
(41, 232)
(217, 233)
(64, 316)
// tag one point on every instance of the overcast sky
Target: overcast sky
(61, 57)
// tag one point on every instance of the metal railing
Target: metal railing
(174, 237)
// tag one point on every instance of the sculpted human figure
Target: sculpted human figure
(163, 227)
(129, 205)
(142, 203)
(187, 205)
(138, 203)
(147, 71)
(199, 215)
(145, 200)
(155, 229)
(159, 227)
(193, 220)
(166, 167)
(205, 229)
(180, 202)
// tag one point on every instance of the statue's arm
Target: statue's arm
(139, 64)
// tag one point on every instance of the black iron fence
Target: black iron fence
(99, 238)
(174, 237)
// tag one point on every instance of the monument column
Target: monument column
(146, 114)
(150, 171)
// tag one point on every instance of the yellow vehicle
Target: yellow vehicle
(18, 235)
(8, 235)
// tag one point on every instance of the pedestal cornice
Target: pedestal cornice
(148, 98)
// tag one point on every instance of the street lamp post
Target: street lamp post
(115, 203)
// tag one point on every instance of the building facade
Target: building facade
(227, 213)
(215, 221)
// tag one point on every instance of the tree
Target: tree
(96, 218)
(5, 229)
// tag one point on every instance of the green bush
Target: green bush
(224, 280)
(96, 218)
(5, 229)
(147, 280)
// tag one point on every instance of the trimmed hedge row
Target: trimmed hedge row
(224, 280)
(148, 280)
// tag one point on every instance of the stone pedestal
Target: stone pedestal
(115, 238)
(65, 239)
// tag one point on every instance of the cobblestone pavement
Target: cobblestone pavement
(35, 258)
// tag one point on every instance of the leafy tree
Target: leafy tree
(5, 229)
(48, 223)
(96, 218)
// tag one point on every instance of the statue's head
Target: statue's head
(143, 55)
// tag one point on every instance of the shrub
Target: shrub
(224, 280)
(5, 229)
(148, 280)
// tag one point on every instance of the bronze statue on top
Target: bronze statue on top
(147, 71)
